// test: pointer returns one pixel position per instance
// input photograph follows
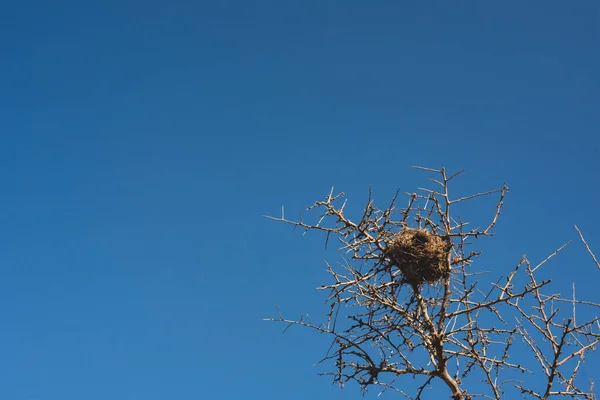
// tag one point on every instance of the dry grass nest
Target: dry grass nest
(421, 255)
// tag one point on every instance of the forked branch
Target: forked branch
(406, 303)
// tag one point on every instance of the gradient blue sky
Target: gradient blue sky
(142, 141)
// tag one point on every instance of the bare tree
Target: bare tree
(408, 302)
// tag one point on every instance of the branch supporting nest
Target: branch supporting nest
(406, 304)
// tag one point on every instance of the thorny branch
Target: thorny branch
(587, 246)
(456, 331)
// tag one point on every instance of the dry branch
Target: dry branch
(405, 303)
(587, 246)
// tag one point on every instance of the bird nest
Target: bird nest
(421, 255)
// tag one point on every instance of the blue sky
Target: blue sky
(142, 142)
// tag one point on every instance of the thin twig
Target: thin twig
(588, 247)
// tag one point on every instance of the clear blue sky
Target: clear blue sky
(142, 141)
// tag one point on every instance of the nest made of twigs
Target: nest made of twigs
(421, 255)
